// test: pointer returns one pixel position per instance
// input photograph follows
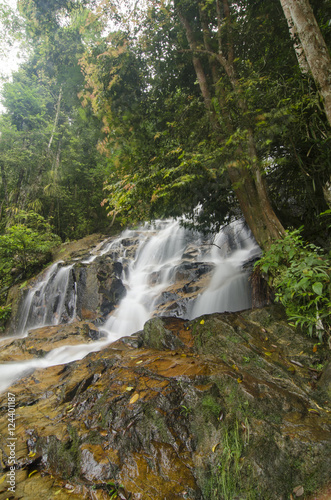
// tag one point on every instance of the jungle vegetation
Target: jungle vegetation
(126, 112)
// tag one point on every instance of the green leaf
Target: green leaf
(318, 288)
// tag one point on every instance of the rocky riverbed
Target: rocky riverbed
(233, 406)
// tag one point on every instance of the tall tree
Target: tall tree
(215, 30)
(313, 45)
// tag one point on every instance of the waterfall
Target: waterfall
(50, 301)
(157, 254)
(229, 288)
(163, 253)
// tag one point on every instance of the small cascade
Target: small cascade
(51, 301)
(157, 254)
(229, 288)
(165, 269)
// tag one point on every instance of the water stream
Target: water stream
(161, 250)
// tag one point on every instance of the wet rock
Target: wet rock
(40, 341)
(157, 336)
(205, 409)
(178, 297)
(324, 383)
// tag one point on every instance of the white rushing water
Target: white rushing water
(160, 249)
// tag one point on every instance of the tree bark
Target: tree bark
(299, 52)
(314, 47)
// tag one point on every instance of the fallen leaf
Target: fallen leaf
(239, 380)
(268, 353)
(298, 491)
(202, 322)
(2, 479)
(235, 367)
(129, 389)
(134, 399)
(32, 454)
(296, 363)
(214, 447)
(138, 362)
(312, 410)
(33, 472)
(315, 348)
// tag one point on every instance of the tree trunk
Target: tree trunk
(314, 47)
(245, 174)
(299, 52)
(58, 106)
(4, 202)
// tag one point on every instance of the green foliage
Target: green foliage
(112, 488)
(229, 478)
(5, 313)
(300, 273)
(116, 114)
(24, 246)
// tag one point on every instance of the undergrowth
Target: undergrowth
(300, 274)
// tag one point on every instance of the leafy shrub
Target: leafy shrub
(24, 246)
(300, 274)
(5, 313)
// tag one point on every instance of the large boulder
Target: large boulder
(224, 406)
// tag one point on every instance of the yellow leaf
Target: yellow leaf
(315, 348)
(134, 399)
(239, 380)
(58, 491)
(268, 353)
(33, 472)
(235, 367)
(129, 389)
(202, 322)
(312, 410)
(138, 362)
(214, 447)
(31, 454)
(2, 479)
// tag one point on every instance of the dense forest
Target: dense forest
(130, 111)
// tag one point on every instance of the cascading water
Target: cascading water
(50, 301)
(157, 254)
(162, 253)
(229, 288)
